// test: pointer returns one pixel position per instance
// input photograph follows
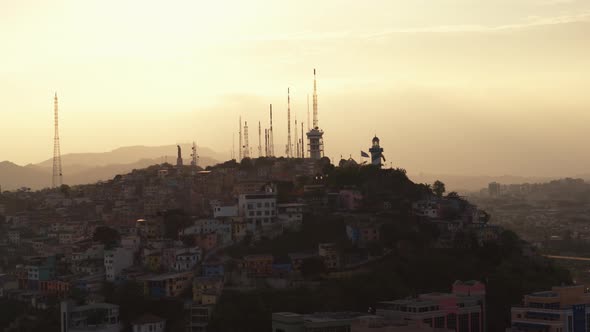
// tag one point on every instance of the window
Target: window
(463, 323)
(439, 322)
(475, 323)
(451, 321)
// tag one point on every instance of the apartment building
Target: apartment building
(460, 311)
(562, 309)
(115, 260)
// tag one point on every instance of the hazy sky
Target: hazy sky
(450, 86)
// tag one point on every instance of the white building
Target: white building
(14, 237)
(98, 317)
(225, 211)
(426, 208)
(149, 323)
(259, 210)
(290, 215)
(116, 260)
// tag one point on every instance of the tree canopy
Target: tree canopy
(106, 235)
(438, 188)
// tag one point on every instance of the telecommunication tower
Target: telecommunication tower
(315, 136)
(271, 142)
(289, 151)
(57, 179)
(259, 140)
(246, 153)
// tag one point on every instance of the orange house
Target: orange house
(259, 265)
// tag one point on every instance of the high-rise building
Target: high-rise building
(494, 189)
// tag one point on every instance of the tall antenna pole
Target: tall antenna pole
(246, 144)
(241, 148)
(302, 144)
(296, 139)
(315, 102)
(308, 122)
(259, 140)
(265, 142)
(271, 141)
(289, 150)
(57, 179)
(233, 146)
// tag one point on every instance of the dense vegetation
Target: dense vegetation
(412, 268)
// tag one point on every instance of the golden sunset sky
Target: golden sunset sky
(450, 86)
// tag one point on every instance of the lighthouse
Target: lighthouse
(376, 152)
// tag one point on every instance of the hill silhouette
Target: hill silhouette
(81, 168)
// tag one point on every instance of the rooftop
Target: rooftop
(165, 276)
(95, 306)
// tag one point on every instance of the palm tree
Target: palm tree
(439, 188)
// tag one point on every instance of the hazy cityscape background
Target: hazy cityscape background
(456, 87)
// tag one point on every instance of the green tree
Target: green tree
(106, 235)
(312, 267)
(174, 221)
(453, 194)
(375, 249)
(65, 190)
(438, 188)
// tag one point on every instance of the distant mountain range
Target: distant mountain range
(82, 168)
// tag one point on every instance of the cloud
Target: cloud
(529, 22)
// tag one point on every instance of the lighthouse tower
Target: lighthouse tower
(376, 152)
